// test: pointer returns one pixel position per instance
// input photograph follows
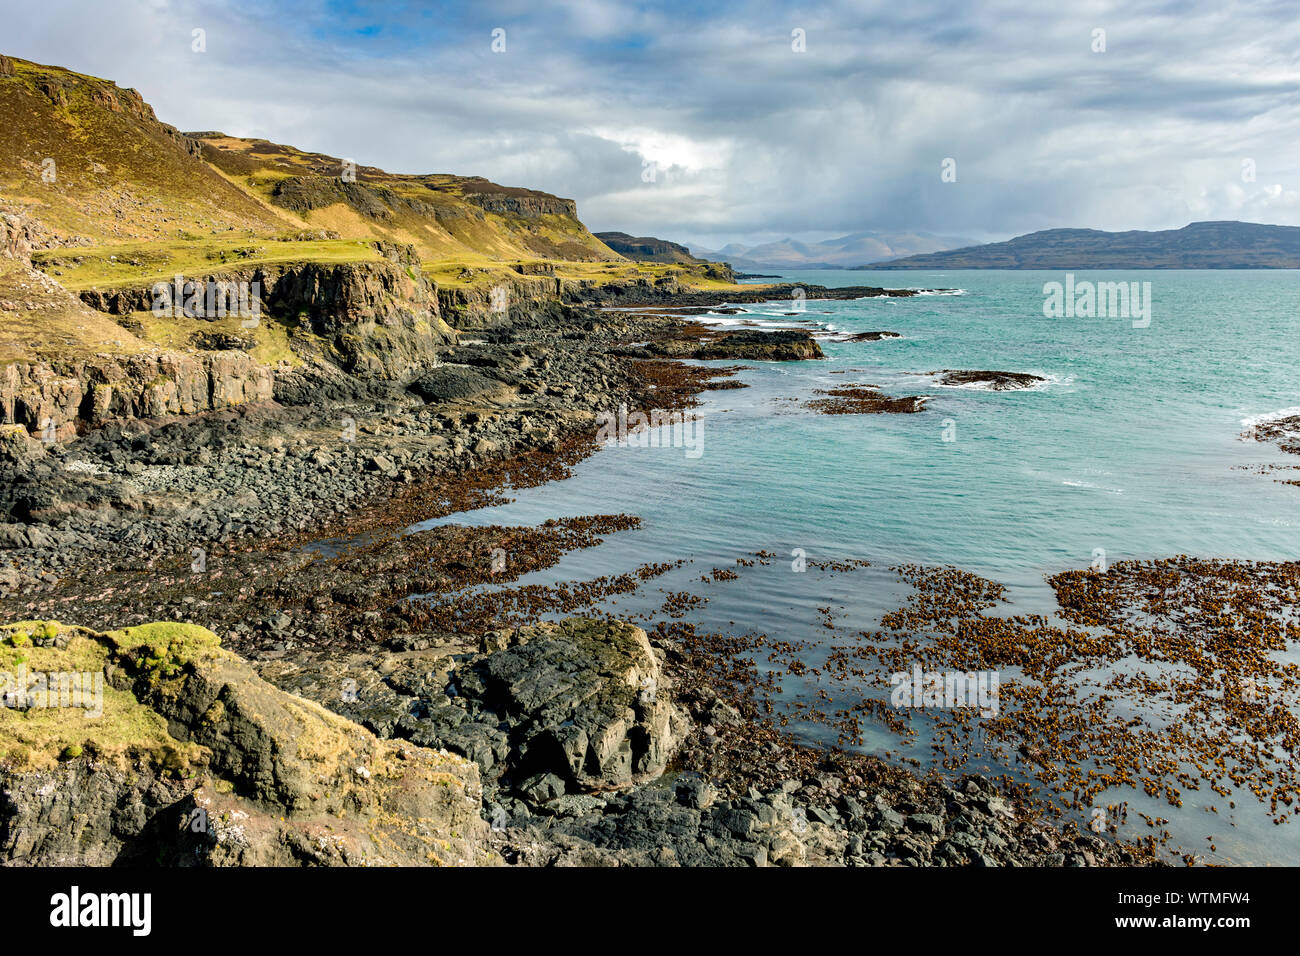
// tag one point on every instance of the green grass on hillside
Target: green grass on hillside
(139, 264)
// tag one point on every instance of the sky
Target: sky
(709, 123)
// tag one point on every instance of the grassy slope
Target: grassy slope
(126, 732)
(431, 212)
(133, 201)
(118, 173)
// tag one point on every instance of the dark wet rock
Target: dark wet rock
(782, 345)
(454, 383)
(871, 336)
(1285, 432)
(864, 400)
(586, 700)
(993, 381)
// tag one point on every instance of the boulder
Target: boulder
(456, 383)
(586, 701)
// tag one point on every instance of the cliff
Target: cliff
(440, 215)
(357, 275)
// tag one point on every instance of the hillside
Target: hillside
(440, 215)
(1200, 245)
(92, 164)
(360, 272)
(646, 248)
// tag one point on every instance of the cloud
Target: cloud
(747, 137)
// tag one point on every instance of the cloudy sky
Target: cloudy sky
(704, 123)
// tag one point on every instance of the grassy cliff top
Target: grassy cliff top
(142, 262)
(91, 162)
(442, 215)
(98, 718)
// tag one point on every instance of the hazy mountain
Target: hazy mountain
(1200, 245)
(841, 253)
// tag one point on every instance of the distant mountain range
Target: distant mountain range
(843, 253)
(1200, 245)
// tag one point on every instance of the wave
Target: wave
(1088, 484)
(1048, 381)
(1249, 425)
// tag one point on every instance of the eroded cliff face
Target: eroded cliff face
(526, 204)
(475, 308)
(482, 307)
(57, 397)
(371, 320)
(374, 319)
(56, 400)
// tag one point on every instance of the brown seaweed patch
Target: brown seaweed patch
(864, 400)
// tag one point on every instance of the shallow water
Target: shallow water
(1132, 450)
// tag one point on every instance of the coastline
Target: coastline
(725, 799)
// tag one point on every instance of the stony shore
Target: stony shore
(278, 527)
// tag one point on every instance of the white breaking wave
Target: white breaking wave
(1049, 381)
(1249, 425)
(1089, 484)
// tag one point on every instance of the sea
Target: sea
(1138, 444)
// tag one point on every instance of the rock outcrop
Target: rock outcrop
(992, 381)
(782, 345)
(457, 383)
(547, 711)
(194, 759)
(372, 319)
(17, 237)
(65, 398)
(525, 203)
(586, 700)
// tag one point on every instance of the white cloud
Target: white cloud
(751, 138)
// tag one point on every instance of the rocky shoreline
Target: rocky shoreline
(279, 527)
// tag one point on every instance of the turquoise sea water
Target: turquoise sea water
(1133, 447)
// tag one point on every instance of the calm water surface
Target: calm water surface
(1133, 449)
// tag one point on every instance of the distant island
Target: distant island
(1200, 245)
